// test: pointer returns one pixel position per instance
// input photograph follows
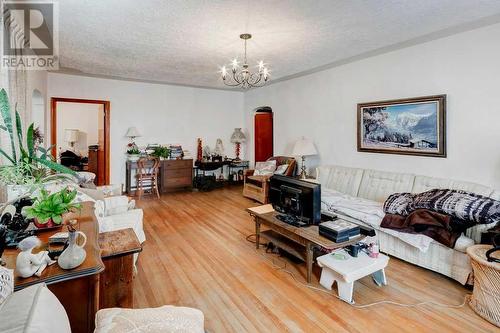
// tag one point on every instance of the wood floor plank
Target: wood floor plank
(196, 255)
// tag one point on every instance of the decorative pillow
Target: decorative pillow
(398, 203)
(6, 283)
(264, 168)
(281, 169)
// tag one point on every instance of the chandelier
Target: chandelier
(242, 76)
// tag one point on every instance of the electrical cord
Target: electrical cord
(284, 269)
(254, 241)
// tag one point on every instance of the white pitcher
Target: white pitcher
(74, 255)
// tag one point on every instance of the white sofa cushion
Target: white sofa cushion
(339, 178)
(378, 185)
(425, 183)
(34, 309)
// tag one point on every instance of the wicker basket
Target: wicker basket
(485, 300)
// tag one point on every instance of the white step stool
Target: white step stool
(345, 272)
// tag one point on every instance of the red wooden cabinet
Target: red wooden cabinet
(263, 136)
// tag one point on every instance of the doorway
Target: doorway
(264, 137)
(80, 132)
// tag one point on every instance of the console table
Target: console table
(77, 289)
(308, 237)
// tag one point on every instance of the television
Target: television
(298, 199)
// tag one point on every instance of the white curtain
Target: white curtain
(15, 82)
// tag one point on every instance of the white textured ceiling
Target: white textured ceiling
(185, 41)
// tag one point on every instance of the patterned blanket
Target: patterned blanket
(466, 207)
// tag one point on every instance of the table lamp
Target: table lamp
(132, 133)
(238, 138)
(71, 136)
(304, 147)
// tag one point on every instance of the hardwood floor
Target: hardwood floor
(196, 255)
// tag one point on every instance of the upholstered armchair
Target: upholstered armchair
(257, 187)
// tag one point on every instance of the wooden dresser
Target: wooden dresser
(176, 175)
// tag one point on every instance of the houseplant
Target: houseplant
(28, 164)
(48, 209)
(161, 152)
(133, 153)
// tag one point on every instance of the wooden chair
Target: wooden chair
(147, 175)
(257, 187)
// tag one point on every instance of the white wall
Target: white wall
(162, 113)
(322, 106)
(83, 117)
(37, 108)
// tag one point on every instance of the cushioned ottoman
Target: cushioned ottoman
(166, 318)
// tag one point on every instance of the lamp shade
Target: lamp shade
(304, 147)
(71, 135)
(132, 132)
(238, 136)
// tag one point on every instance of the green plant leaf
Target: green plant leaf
(55, 166)
(19, 129)
(7, 156)
(57, 219)
(3, 128)
(7, 120)
(30, 142)
(19, 126)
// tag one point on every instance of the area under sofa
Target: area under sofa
(378, 185)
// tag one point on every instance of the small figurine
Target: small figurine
(207, 152)
(29, 264)
(219, 147)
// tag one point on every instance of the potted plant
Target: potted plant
(161, 152)
(48, 209)
(133, 153)
(28, 163)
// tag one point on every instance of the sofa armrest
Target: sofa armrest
(130, 219)
(476, 231)
(248, 172)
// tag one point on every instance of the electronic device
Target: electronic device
(296, 199)
(328, 216)
(367, 231)
(292, 220)
(339, 230)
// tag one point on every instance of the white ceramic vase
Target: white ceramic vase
(74, 255)
(133, 157)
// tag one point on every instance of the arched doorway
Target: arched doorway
(38, 111)
(264, 137)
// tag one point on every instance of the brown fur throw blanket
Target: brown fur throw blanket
(467, 208)
(439, 227)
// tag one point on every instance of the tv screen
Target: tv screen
(297, 198)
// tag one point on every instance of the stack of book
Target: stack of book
(175, 151)
(339, 230)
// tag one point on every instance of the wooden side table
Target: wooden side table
(115, 285)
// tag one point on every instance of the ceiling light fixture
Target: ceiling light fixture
(243, 77)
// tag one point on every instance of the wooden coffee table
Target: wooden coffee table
(308, 238)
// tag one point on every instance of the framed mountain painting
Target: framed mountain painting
(412, 126)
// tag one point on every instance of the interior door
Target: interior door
(263, 136)
(101, 156)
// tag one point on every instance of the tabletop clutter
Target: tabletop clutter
(27, 216)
